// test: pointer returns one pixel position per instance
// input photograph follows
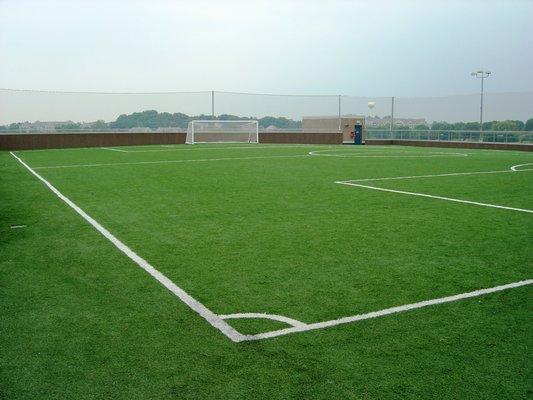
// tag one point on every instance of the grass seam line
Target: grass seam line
(190, 301)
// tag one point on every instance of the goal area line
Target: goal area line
(219, 321)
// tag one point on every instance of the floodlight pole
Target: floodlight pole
(482, 74)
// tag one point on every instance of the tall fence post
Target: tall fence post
(212, 104)
(391, 116)
(340, 117)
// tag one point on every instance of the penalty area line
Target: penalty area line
(194, 304)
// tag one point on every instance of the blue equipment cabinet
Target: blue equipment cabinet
(358, 134)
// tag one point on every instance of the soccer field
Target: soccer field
(266, 271)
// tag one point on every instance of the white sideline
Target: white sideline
(387, 311)
(194, 304)
(166, 161)
(435, 197)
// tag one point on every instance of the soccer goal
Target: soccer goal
(243, 131)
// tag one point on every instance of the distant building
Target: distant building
(374, 122)
(42, 125)
(346, 125)
(140, 129)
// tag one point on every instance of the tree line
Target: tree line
(153, 119)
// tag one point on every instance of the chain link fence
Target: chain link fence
(386, 117)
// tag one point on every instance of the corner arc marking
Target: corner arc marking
(274, 317)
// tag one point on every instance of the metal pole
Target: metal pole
(340, 127)
(392, 116)
(212, 104)
(482, 74)
(481, 106)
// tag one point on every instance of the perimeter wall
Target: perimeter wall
(28, 141)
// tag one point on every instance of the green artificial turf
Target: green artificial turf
(264, 228)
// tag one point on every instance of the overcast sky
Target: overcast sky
(367, 48)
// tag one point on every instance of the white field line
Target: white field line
(380, 149)
(429, 176)
(112, 149)
(62, 149)
(435, 197)
(512, 152)
(407, 154)
(166, 161)
(515, 168)
(218, 322)
(273, 317)
(387, 311)
(208, 148)
(194, 304)
(322, 147)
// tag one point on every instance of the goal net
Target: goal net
(243, 131)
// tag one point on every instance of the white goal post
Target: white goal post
(215, 131)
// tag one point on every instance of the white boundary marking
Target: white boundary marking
(194, 304)
(166, 161)
(273, 317)
(408, 154)
(388, 311)
(172, 148)
(515, 167)
(218, 321)
(431, 176)
(435, 197)
(512, 169)
(112, 149)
